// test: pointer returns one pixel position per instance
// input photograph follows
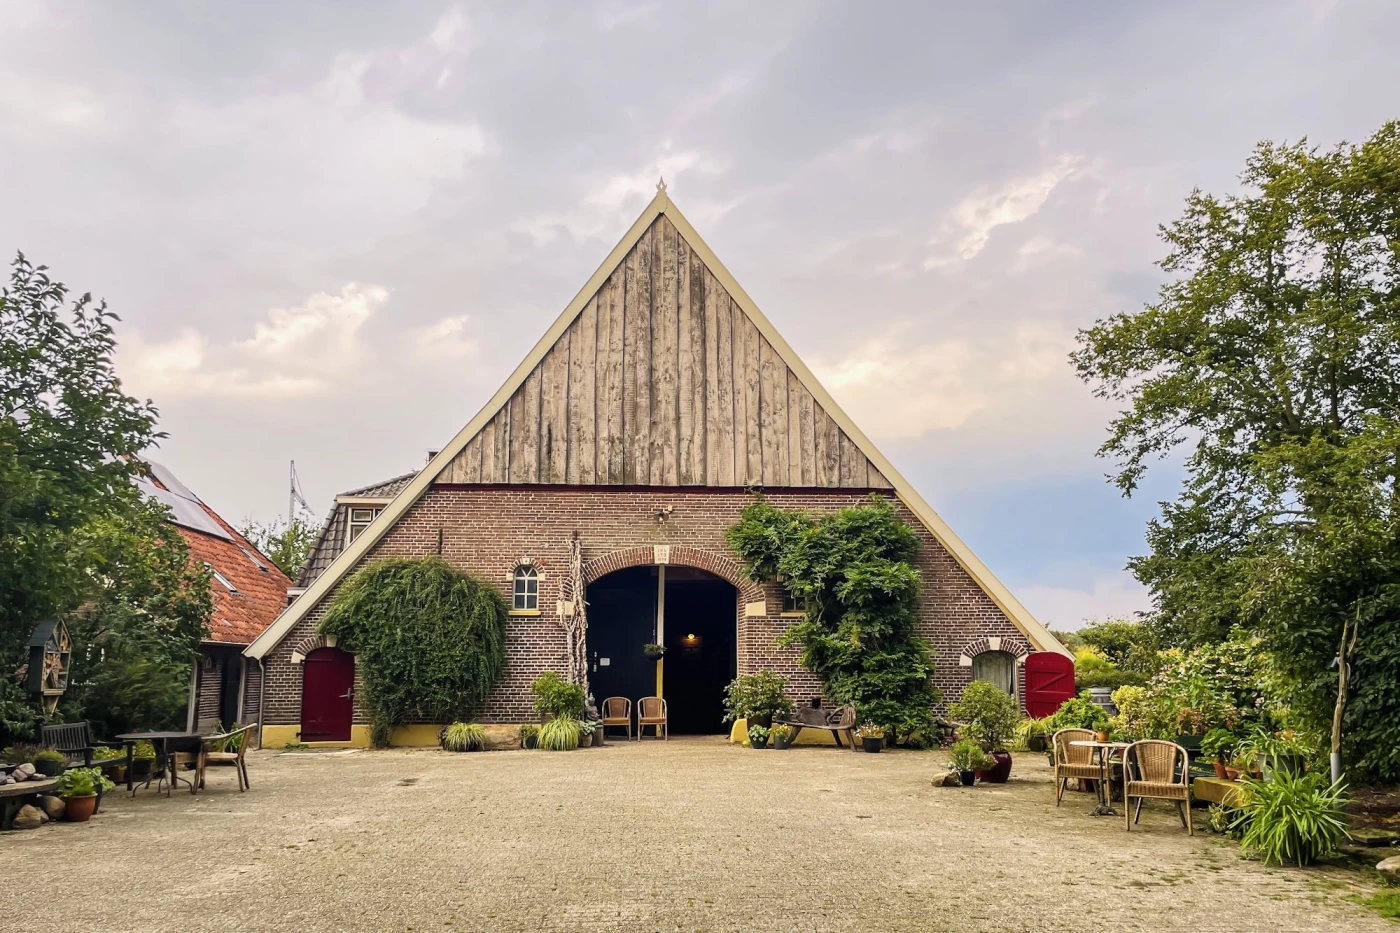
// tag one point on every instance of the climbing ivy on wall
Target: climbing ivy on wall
(853, 568)
(429, 640)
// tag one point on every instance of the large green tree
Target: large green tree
(76, 539)
(286, 544)
(1271, 363)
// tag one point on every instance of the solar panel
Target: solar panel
(185, 508)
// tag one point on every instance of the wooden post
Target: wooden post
(1344, 652)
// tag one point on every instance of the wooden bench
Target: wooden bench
(839, 721)
(74, 739)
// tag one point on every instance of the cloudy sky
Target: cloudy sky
(333, 229)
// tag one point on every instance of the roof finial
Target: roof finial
(661, 183)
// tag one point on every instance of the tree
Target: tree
(1272, 358)
(852, 568)
(69, 441)
(286, 544)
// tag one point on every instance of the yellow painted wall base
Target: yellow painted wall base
(809, 736)
(423, 735)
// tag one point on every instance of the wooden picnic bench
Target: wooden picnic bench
(839, 721)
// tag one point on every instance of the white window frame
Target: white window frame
(525, 591)
(354, 527)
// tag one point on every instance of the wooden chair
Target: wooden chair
(617, 711)
(230, 748)
(1160, 770)
(839, 722)
(1073, 761)
(651, 711)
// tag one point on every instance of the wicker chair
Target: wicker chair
(1157, 769)
(228, 749)
(1073, 761)
(651, 711)
(617, 711)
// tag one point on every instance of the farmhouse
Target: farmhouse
(598, 482)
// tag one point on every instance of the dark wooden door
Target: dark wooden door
(327, 695)
(1049, 679)
(621, 619)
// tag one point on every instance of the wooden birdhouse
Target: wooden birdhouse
(50, 652)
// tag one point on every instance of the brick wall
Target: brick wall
(486, 530)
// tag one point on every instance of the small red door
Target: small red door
(1049, 682)
(327, 695)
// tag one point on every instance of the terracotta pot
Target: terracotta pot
(79, 809)
(1101, 736)
(1221, 771)
(1232, 774)
(999, 772)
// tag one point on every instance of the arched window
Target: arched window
(526, 593)
(997, 667)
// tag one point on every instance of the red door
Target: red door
(327, 695)
(1049, 682)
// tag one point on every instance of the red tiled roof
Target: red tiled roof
(260, 593)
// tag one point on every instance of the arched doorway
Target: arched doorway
(696, 615)
(327, 695)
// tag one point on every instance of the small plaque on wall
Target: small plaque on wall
(757, 609)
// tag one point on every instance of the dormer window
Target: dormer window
(359, 521)
(525, 591)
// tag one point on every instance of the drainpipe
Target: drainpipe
(194, 692)
(262, 700)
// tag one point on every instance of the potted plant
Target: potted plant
(967, 758)
(117, 772)
(143, 759)
(872, 736)
(781, 736)
(758, 736)
(79, 788)
(560, 734)
(555, 696)
(653, 651)
(1034, 732)
(1272, 753)
(49, 762)
(462, 737)
(529, 735)
(756, 699)
(990, 716)
(1218, 745)
(587, 728)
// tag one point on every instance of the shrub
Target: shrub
(107, 753)
(143, 750)
(82, 782)
(49, 756)
(967, 755)
(463, 737)
(1219, 744)
(21, 753)
(429, 640)
(853, 569)
(1080, 712)
(560, 734)
(751, 696)
(990, 715)
(1294, 818)
(528, 731)
(1142, 714)
(555, 696)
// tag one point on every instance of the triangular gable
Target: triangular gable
(631, 458)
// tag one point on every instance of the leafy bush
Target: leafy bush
(82, 782)
(990, 715)
(560, 734)
(1132, 647)
(750, 696)
(852, 568)
(429, 640)
(1092, 669)
(967, 755)
(1294, 818)
(50, 756)
(143, 750)
(555, 696)
(1142, 714)
(529, 731)
(462, 737)
(21, 753)
(1080, 712)
(1219, 744)
(107, 753)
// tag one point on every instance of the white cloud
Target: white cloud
(447, 339)
(1116, 596)
(969, 225)
(896, 387)
(1040, 250)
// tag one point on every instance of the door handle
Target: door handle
(348, 695)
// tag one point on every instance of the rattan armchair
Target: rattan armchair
(1073, 761)
(229, 749)
(1160, 770)
(651, 711)
(617, 711)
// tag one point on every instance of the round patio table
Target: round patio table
(1104, 752)
(162, 740)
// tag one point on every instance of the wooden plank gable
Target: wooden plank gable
(663, 380)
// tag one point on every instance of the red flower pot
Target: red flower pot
(999, 772)
(79, 809)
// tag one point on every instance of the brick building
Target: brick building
(249, 592)
(638, 424)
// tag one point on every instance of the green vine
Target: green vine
(429, 640)
(862, 595)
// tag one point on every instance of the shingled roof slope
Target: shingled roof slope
(331, 541)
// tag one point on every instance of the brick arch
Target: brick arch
(1018, 648)
(309, 644)
(718, 564)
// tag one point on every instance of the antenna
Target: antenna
(294, 496)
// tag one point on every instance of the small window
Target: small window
(526, 592)
(221, 579)
(359, 521)
(998, 667)
(794, 604)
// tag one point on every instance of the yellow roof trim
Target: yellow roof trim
(1038, 635)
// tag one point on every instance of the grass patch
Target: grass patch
(1385, 903)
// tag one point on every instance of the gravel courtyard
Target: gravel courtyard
(691, 835)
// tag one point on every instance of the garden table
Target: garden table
(161, 740)
(1105, 753)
